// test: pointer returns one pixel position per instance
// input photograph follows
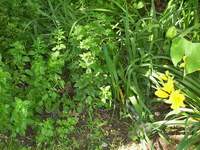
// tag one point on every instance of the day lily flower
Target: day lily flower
(169, 86)
(176, 99)
(164, 77)
(162, 94)
(167, 91)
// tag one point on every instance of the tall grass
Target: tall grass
(143, 39)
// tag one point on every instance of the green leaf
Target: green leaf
(178, 48)
(182, 47)
(193, 58)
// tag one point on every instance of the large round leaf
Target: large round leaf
(193, 59)
(178, 49)
(182, 47)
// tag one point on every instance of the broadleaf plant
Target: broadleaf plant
(183, 48)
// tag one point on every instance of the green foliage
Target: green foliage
(45, 132)
(60, 59)
(20, 116)
(45, 73)
(182, 47)
(94, 76)
(65, 127)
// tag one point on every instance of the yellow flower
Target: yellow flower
(165, 76)
(169, 86)
(162, 77)
(167, 91)
(162, 94)
(176, 99)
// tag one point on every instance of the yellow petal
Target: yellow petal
(163, 77)
(162, 94)
(169, 86)
(176, 99)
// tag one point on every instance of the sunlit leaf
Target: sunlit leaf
(182, 47)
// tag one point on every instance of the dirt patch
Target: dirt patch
(114, 131)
